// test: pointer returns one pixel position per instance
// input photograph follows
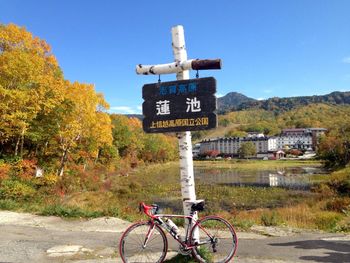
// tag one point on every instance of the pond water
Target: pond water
(291, 177)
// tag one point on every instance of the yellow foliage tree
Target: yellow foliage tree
(30, 82)
(84, 122)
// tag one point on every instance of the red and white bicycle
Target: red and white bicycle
(210, 239)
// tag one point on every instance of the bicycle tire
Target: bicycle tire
(217, 240)
(131, 244)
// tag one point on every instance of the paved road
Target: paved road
(29, 238)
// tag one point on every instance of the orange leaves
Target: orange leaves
(4, 171)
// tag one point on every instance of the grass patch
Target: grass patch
(69, 211)
(242, 224)
(8, 204)
(318, 178)
(327, 221)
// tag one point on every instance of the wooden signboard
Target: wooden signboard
(176, 106)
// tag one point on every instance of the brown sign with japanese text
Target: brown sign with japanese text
(183, 105)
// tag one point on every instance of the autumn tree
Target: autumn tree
(84, 123)
(31, 83)
(127, 135)
(247, 149)
(159, 148)
(335, 147)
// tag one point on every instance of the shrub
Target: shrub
(24, 169)
(8, 204)
(75, 181)
(324, 189)
(340, 181)
(47, 180)
(14, 189)
(112, 211)
(327, 220)
(4, 171)
(135, 186)
(50, 179)
(338, 204)
(69, 183)
(344, 225)
(271, 219)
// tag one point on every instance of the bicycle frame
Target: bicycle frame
(209, 233)
(157, 219)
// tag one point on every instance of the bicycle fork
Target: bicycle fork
(149, 234)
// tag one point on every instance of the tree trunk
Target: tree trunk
(98, 155)
(22, 143)
(63, 162)
(36, 150)
(17, 145)
(45, 147)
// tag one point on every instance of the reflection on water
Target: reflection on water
(293, 178)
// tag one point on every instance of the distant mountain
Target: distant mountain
(137, 116)
(232, 101)
(236, 101)
(277, 104)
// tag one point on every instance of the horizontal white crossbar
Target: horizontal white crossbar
(159, 69)
(176, 67)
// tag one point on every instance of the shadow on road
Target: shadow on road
(339, 250)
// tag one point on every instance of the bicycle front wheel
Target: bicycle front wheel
(143, 242)
(215, 240)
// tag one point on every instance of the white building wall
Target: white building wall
(292, 140)
(272, 144)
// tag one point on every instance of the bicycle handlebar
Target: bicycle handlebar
(148, 209)
(152, 210)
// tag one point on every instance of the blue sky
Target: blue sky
(269, 48)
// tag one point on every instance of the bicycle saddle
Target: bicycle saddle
(198, 206)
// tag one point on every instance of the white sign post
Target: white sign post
(185, 145)
(181, 67)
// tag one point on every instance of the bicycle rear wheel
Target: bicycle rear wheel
(132, 246)
(217, 240)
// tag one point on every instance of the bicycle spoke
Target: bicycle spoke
(132, 244)
(217, 240)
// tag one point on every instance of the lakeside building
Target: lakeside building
(295, 139)
(196, 150)
(266, 146)
(300, 138)
(231, 145)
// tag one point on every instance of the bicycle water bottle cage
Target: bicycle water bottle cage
(198, 207)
